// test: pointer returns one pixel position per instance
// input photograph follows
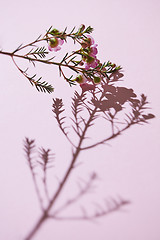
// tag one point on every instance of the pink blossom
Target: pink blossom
(90, 40)
(87, 42)
(93, 50)
(91, 62)
(55, 43)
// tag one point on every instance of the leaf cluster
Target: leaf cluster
(88, 30)
(43, 86)
(38, 52)
(40, 86)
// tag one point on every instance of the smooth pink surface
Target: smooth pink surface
(127, 33)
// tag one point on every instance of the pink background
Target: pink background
(127, 32)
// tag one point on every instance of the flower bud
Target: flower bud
(113, 65)
(90, 59)
(97, 80)
(84, 45)
(54, 31)
(79, 79)
(81, 63)
(53, 42)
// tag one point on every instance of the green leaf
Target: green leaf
(38, 52)
(89, 30)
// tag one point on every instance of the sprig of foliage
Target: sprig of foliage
(42, 86)
(88, 30)
(40, 52)
(83, 61)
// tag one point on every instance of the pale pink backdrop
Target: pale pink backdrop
(127, 32)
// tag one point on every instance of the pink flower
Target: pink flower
(55, 43)
(87, 42)
(90, 51)
(91, 61)
(93, 50)
(90, 40)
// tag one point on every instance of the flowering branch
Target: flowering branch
(83, 61)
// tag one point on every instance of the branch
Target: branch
(40, 86)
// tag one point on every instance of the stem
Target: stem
(81, 69)
(39, 60)
(30, 44)
(45, 214)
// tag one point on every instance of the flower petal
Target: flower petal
(57, 48)
(86, 66)
(61, 41)
(91, 39)
(49, 47)
(94, 50)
